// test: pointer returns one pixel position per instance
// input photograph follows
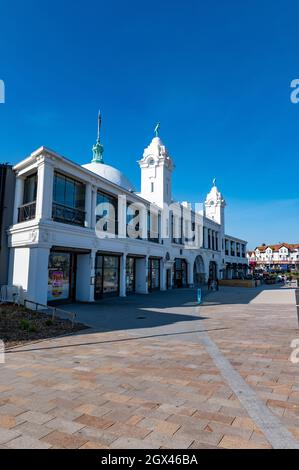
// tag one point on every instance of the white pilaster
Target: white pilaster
(35, 273)
(122, 216)
(142, 275)
(44, 196)
(162, 275)
(190, 273)
(85, 275)
(93, 208)
(88, 203)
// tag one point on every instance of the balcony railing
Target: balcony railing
(68, 215)
(27, 212)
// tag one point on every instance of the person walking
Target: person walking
(209, 283)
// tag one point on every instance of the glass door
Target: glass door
(130, 275)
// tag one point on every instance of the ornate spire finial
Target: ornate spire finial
(99, 125)
(157, 129)
(214, 182)
(98, 148)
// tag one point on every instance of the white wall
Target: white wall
(20, 258)
(84, 289)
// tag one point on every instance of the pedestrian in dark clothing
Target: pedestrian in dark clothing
(217, 283)
(209, 283)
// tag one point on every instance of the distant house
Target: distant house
(281, 256)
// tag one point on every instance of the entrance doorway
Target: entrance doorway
(130, 275)
(199, 271)
(168, 279)
(213, 271)
(180, 273)
(106, 276)
(153, 274)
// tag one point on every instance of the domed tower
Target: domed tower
(108, 172)
(156, 172)
(215, 205)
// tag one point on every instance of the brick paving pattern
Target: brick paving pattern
(157, 386)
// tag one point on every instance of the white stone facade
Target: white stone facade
(56, 254)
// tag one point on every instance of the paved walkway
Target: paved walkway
(159, 371)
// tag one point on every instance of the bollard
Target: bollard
(199, 296)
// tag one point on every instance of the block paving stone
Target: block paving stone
(153, 384)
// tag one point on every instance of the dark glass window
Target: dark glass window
(68, 192)
(28, 209)
(110, 212)
(68, 200)
(209, 239)
(153, 226)
(132, 212)
(30, 189)
(177, 228)
(232, 250)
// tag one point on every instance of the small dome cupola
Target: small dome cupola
(98, 167)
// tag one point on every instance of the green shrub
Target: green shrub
(49, 322)
(25, 324)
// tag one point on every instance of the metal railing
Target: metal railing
(68, 215)
(36, 305)
(27, 212)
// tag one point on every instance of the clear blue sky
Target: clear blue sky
(215, 74)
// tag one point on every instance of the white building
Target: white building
(281, 256)
(55, 253)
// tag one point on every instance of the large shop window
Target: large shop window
(106, 275)
(68, 200)
(61, 276)
(153, 273)
(109, 211)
